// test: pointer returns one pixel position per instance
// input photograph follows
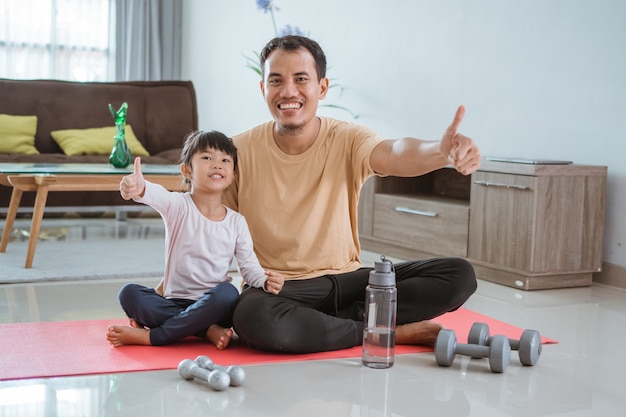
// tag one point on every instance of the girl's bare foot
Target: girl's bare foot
(128, 335)
(134, 324)
(418, 333)
(219, 336)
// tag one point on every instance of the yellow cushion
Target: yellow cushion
(17, 134)
(95, 141)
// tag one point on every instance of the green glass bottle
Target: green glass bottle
(120, 154)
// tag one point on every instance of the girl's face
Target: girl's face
(211, 171)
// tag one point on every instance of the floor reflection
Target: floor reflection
(580, 376)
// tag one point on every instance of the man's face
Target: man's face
(291, 88)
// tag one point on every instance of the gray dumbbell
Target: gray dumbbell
(498, 352)
(218, 380)
(236, 373)
(528, 346)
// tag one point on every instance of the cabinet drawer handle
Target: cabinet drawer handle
(497, 184)
(418, 212)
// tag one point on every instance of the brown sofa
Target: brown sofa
(161, 113)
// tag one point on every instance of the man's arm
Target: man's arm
(410, 157)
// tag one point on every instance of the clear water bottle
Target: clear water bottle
(379, 334)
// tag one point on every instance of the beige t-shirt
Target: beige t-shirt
(302, 209)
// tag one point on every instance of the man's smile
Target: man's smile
(290, 106)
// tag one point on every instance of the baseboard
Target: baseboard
(613, 275)
(526, 281)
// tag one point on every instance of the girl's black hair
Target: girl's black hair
(200, 141)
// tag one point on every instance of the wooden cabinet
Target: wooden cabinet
(421, 223)
(522, 225)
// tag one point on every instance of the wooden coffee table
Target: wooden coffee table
(45, 178)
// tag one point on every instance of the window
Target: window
(56, 39)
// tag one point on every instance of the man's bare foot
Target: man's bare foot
(127, 335)
(418, 333)
(219, 336)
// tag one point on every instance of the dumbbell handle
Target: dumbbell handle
(472, 350)
(188, 368)
(481, 336)
(446, 348)
(514, 343)
(528, 345)
(200, 373)
(218, 380)
(207, 364)
(236, 373)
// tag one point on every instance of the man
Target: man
(298, 188)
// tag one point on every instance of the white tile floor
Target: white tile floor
(583, 375)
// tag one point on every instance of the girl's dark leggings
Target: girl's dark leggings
(171, 320)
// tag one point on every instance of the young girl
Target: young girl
(196, 296)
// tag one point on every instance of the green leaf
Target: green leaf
(335, 106)
(252, 62)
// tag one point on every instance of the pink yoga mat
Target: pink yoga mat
(48, 349)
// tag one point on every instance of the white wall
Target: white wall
(540, 78)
